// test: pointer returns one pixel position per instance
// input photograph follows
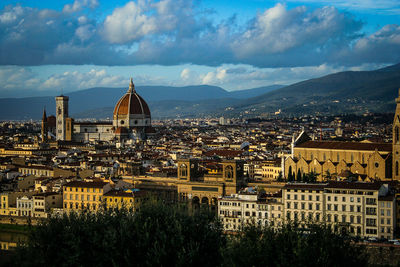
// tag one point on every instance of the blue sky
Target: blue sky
(49, 46)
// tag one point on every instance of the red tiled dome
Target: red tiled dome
(131, 103)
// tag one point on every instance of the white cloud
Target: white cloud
(178, 32)
(11, 14)
(78, 5)
(128, 23)
(356, 4)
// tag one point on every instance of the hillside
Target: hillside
(350, 92)
(97, 102)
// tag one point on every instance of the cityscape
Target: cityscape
(126, 140)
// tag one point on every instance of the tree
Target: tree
(328, 174)
(156, 235)
(291, 245)
(305, 177)
(299, 176)
(290, 177)
(280, 177)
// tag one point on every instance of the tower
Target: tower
(396, 142)
(61, 115)
(45, 130)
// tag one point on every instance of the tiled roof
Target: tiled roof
(386, 147)
(354, 185)
(96, 184)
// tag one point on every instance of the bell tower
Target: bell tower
(45, 130)
(396, 142)
(61, 115)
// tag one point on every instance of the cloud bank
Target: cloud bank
(171, 32)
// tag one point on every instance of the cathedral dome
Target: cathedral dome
(131, 104)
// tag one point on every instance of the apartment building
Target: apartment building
(361, 209)
(128, 198)
(240, 209)
(43, 203)
(303, 202)
(80, 195)
(352, 207)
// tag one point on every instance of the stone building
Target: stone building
(364, 161)
(131, 120)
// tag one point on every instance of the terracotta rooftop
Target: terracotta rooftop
(97, 184)
(386, 147)
(354, 185)
(306, 186)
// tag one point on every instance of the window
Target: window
(229, 172)
(343, 207)
(310, 197)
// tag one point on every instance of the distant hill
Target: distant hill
(172, 108)
(344, 92)
(84, 103)
(349, 92)
(243, 94)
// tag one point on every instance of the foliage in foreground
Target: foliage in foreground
(156, 235)
(160, 235)
(291, 245)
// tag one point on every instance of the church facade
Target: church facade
(131, 121)
(362, 161)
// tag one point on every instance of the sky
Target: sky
(48, 47)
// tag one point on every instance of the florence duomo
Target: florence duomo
(131, 121)
(199, 133)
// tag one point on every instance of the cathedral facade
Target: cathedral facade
(131, 121)
(364, 161)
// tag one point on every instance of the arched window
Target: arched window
(397, 168)
(229, 172)
(396, 134)
(183, 170)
